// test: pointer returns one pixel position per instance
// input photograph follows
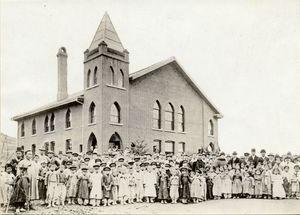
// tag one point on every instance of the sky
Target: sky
(244, 55)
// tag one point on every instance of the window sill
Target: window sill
(33, 135)
(212, 136)
(67, 129)
(50, 132)
(181, 132)
(91, 124)
(113, 86)
(94, 86)
(23, 137)
(157, 129)
(171, 131)
(117, 124)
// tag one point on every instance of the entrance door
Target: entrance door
(92, 143)
(115, 141)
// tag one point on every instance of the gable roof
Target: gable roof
(107, 33)
(172, 60)
(74, 98)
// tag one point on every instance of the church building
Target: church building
(159, 105)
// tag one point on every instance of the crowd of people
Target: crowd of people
(124, 177)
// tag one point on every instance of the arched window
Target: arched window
(156, 114)
(169, 117)
(68, 118)
(22, 129)
(121, 79)
(46, 124)
(33, 127)
(112, 76)
(92, 113)
(88, 80)
(211, 127)
(33, 149)
(181, 126)
(115, 111)
(52, 122)
(95, 75)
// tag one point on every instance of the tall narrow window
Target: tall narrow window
(33, 149)
(156, 114)
(181, 147)
(22, 129)
(46, 124)
(115, 115)
(52, 146)
(169, 147)
(95, 76)
(80, 148)
(92, 113)
(112, 76)
(181, 126)
(33, 127)
(68, 118)
(88, 79)
(68, 145)
(46, 144)
(169, 117)
(121, 79)
(52, 122)
(157, 146)
(211, 127)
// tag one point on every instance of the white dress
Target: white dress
(150, 181)
(96, 191)
(278, 190)
(123, 185)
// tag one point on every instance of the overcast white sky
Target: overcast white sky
(243, 54)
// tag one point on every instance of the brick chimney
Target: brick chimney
(62, 74)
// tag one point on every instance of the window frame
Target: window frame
(92, 113)
(181, 119)
(115, 113)
(95, 77)
(68, 119)
(88, 79)
(170, 111)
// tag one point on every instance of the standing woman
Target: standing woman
(163, 186)
(185, 182)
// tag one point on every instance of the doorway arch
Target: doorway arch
(115, 141)
(92, 142)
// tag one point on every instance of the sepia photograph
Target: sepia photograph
(150, 107)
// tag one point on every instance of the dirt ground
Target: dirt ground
(226, 206)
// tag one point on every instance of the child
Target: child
(163, 186)
(295, 180)
(247, 184)
(196, 187)
(106, 186)
(131, 185)
(3, 186)
(61, 186)
(51, 182)
(21, 190)
(237, 184)
(150, 184)
(96, 191)
(217, 186)
(174, 186)
(278, 190)
(287, 176)
(42, 184)
(72, 181)
(10, 181)
(257, 184)
(185, 182)
(267, 183)
(115, 186)
(123, 186)
(227, 186)
(83, 186)
(139, 190)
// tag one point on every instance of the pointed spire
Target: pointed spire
(107, 33)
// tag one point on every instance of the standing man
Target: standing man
(253, 158)
(15, 161)
(234, 160)
(43, 157)
(263, 157)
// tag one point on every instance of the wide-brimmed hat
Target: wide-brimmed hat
(185, 166)
(84, 167)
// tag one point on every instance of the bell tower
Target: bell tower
(106, 86)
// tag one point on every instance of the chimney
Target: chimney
(62, 72)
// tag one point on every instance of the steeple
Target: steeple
(107, 33)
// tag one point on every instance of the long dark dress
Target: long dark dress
(106, 184)
(185, 182)
(83, 187)
(41, 184)
(209, 188)
(21, 190)
(163, 182)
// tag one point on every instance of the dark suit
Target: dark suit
(253, 160)
(234, 161)
(198, 165)
(263, 159)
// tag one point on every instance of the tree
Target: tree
(139, 147)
